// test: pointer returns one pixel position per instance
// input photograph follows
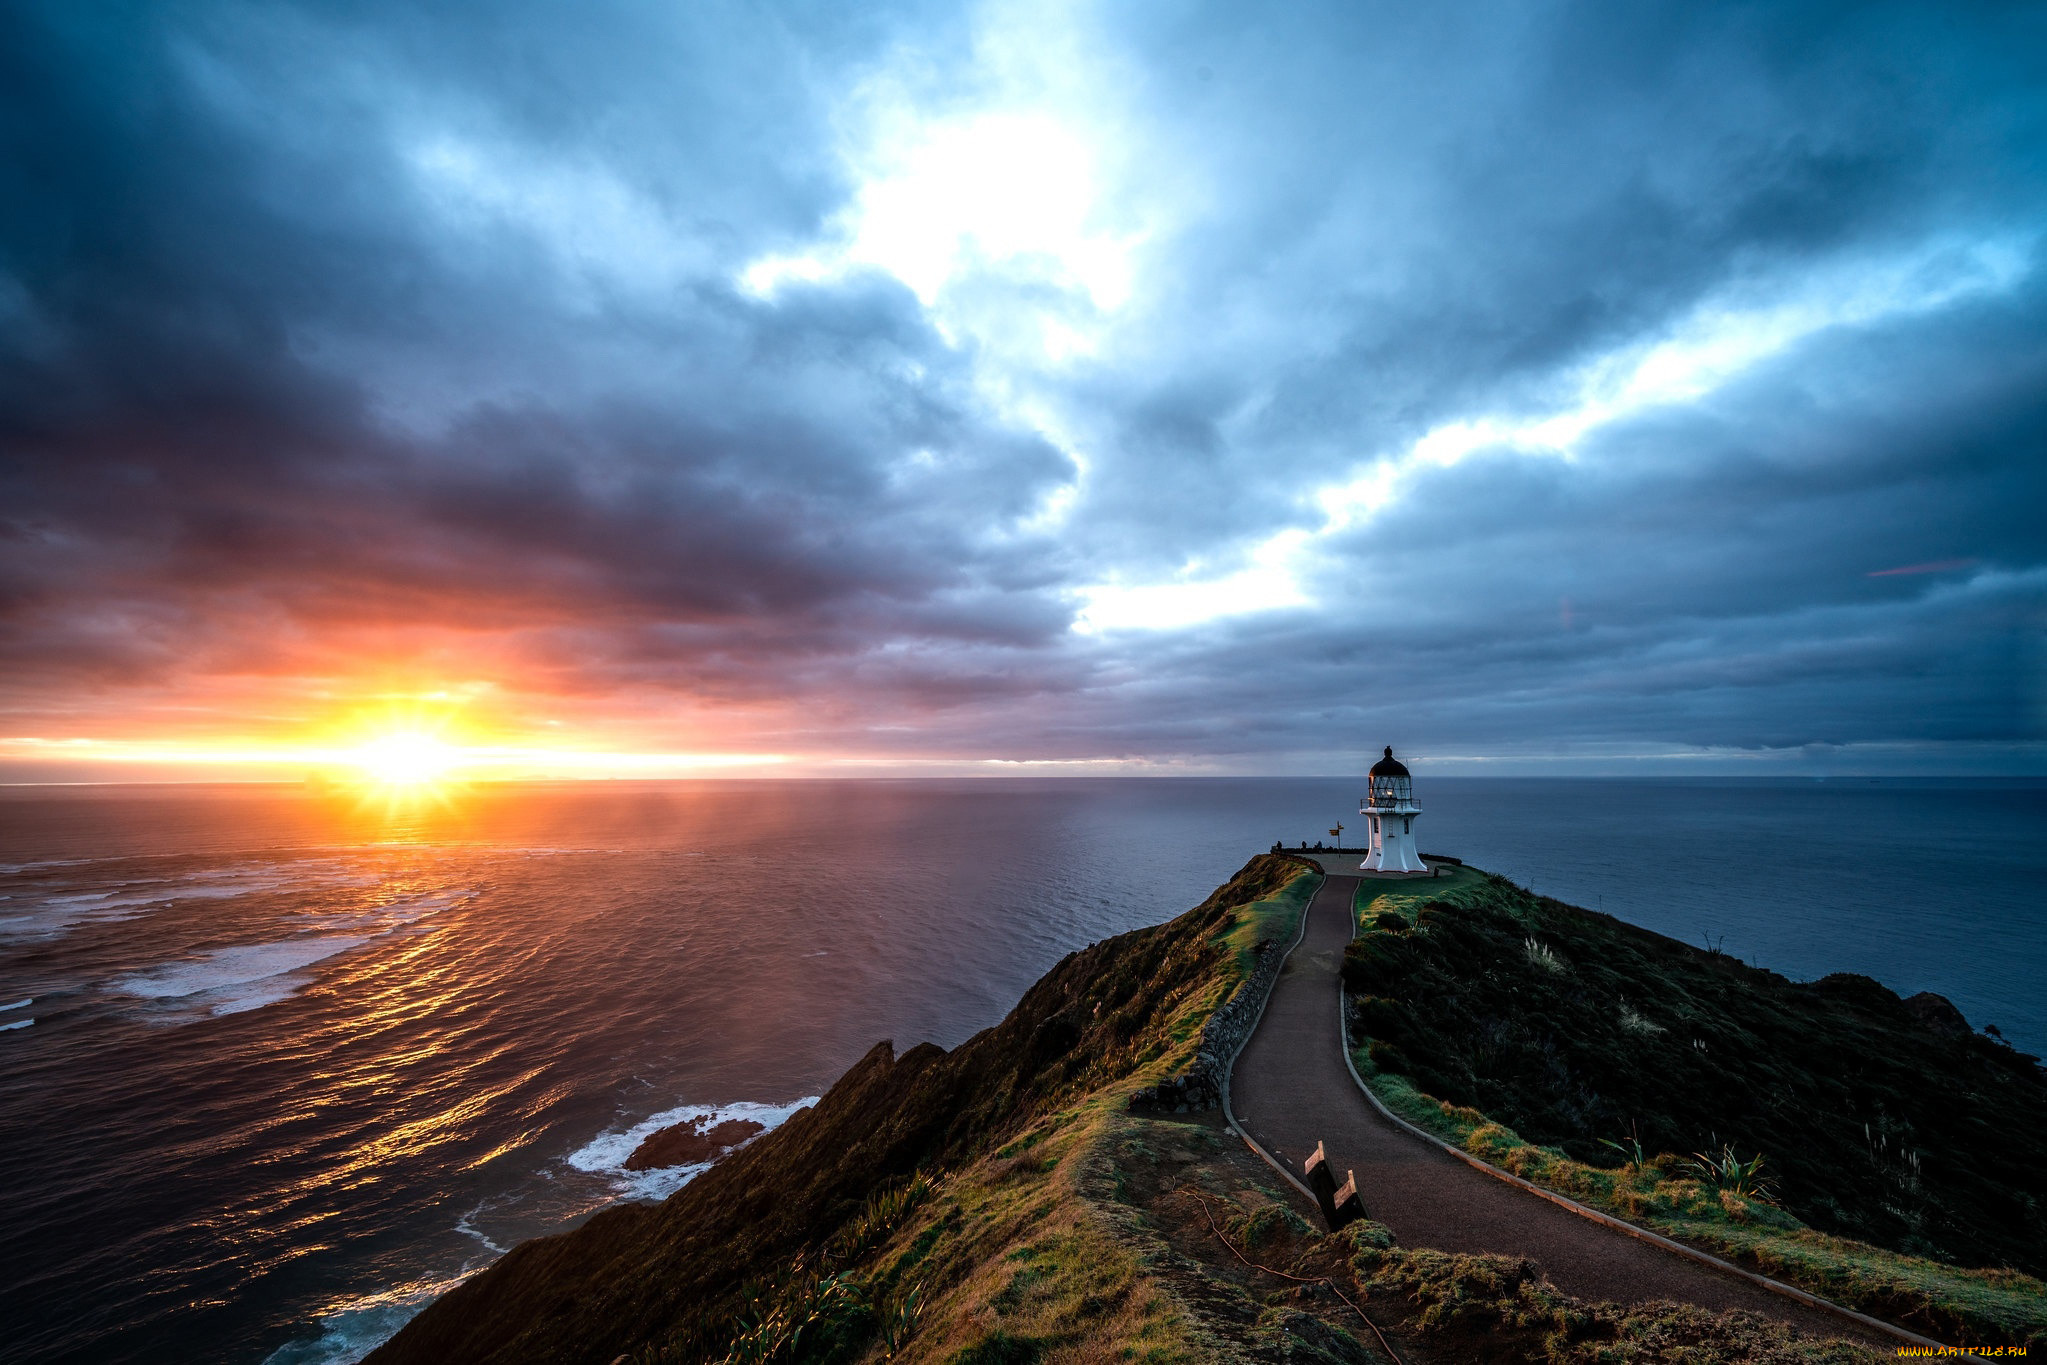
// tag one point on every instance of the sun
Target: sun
(406, 758)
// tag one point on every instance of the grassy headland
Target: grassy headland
(1004, 1202)
(1904, 1158)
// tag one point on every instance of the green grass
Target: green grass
(1457, 886)
(1277, 918)
(1010, 1262)
(1001, 1203)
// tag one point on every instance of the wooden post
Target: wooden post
(1349, 1208)
(1322, 1181)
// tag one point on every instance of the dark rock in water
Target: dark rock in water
(691, 1144)
(1938, 1013)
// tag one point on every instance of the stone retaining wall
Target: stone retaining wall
(1200, 1086)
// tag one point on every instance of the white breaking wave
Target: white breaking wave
(243, 978)
(62, 908)
(467, 1228)
(606, 1153)
(249, 976)
(19, 1023)
(22, 1003)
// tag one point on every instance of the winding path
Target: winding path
(1291, 1087)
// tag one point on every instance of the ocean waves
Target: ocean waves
(214, 927)
(351, 1328)
(40, 904)
(591, 1177)
(231, 980)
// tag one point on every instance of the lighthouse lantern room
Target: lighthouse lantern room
(1389, 812)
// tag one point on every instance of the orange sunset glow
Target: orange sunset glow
(407, 742)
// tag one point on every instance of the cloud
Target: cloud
(1036, 382)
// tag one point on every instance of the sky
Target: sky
(652, 389)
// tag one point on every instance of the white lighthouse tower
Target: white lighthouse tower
(1390, 812)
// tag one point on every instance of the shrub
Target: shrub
(1272, 1223)
(1742, 1179)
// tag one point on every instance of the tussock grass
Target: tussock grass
(1542, 957)
(1021, 1258)
(1474, 1306)
(1020, 1267)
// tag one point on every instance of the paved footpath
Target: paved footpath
(1290, 1089)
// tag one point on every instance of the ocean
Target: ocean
(278, 1065)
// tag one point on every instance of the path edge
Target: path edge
(1230, 1067)
(1617, 1224)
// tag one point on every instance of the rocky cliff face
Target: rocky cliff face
(672, 1273)
(692, 1143)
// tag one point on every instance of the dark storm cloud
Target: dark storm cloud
(326, 324)
(182, 270)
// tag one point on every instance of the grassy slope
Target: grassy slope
(1485, 1014)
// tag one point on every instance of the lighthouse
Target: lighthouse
(1389, 812)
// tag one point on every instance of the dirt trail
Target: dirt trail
(1290, 1089)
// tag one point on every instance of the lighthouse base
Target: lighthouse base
(1394, 860)
(1366, 874)
(1392, 836)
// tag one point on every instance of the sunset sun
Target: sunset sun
(406, 758)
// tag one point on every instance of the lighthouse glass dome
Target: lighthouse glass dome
(1391, 785)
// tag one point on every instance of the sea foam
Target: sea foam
(606, 1154)
(243, 978)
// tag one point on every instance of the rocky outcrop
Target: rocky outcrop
(693, 1143)
(1938, 1013)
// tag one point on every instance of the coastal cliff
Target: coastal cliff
(682, 1277)
(1061, 1188)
